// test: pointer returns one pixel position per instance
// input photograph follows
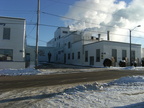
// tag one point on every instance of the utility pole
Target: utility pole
(131, 45)
(37, 34)
(130, 49)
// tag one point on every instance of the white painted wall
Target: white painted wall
(43, 54)
(142, 52)
(91, 48)
(17, 38)
(82, 44)
(12, 65)
(106, 50)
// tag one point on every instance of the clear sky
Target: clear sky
(51, 10)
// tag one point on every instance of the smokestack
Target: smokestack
(99, 36)
(108, 38)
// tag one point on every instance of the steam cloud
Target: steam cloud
(100, 16)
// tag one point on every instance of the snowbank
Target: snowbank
(131, 95)
(32, 71)
(131, 80)
(126, 92)
(15, 72)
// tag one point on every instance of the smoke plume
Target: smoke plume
(100, 16)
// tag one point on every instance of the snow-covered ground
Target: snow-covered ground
(32, 71)
(126, 92)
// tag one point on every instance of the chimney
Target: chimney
(99, 36)
(108, 38)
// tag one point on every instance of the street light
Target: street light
(130, 41)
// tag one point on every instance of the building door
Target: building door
(133, 55)
(27, 59)
(64, 58)
(91, 60)
(114, 54)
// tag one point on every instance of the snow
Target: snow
(126, 92)
(16, 72)
(97, 95)
(32, 71)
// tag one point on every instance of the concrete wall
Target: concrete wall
(142, 52)
(91, 48)
(17, 39)
(12, 65)
(81, 43)
(106, 51)
(42, 55)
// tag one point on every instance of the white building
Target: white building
(142, 52)
(42, 55)
(72, 47)
(12, 42)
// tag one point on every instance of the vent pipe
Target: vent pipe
(108, 36)
(99, 36)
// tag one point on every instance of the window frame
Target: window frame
(98, 55)
(7, 55)
(78, 55)
(86, 56)
(6, 33)
(114, 54)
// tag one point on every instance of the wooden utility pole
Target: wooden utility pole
(37, 34)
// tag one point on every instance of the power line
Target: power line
(85, 21)
(56, 26)
(86, 8)
(35, 39)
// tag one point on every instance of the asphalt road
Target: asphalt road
(16, 82)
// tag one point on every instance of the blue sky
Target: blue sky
(27, 9)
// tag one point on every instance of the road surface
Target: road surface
(16, 82)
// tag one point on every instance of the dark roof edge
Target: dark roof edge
(12, 18)
(113, 42)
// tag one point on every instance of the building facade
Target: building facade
(45, 55)
(72, 47)
(12, 42)
(142, 52)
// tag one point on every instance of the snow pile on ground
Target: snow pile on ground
(128, 68)
(15, 72)
(126, 92)
(131, 80)
(32, 71)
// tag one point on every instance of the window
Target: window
(41, 53)
(97, 55)
(6, 54)
(78, 55)
(86, 56)
(72, 55)
(69, 44)
(69, 56)
(92, 37)
(124, 54)
(59, 44)
(114, 54)
(133, 55)
(65, 32)
(6, 33)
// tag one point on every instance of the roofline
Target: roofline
(12, 18)
(113, 42)
(62, 27)
(39, 46)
